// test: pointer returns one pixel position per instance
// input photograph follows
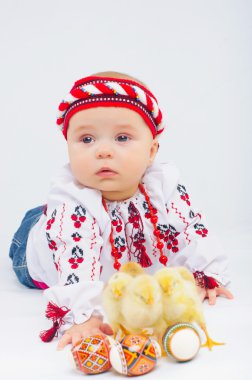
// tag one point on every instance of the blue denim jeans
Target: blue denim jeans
(18, 246)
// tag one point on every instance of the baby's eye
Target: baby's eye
(122, 138)
(87, 139)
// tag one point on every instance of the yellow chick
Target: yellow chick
(133, 302)
(181, 302)
(132, 268)
(142, 306)
(112, 296)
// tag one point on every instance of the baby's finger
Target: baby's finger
(91, 332)
(225, 292)
(212, 296)
(202, 294)
(64, 341)
(76, 337)
(106, 329)
(96, 331)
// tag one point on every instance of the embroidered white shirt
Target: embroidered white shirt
(69, 249)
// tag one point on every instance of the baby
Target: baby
(111, 204)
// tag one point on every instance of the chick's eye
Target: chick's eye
(87, 140)
(123, 138)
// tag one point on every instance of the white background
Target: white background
(196, 58)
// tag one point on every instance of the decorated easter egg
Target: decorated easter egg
(181, 342)
(134, 355)
(91, 354)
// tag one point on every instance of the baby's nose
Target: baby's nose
(104, 150)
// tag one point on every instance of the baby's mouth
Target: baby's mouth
(106, 172)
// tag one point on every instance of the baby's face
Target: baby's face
(110, 149)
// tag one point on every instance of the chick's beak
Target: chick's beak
(117, 293)
(150, 300)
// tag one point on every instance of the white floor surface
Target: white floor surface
(22, 318)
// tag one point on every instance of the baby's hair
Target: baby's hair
(116, 74)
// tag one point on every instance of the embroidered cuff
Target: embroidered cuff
(204, 281)
(62, 320)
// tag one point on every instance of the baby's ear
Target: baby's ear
(153, 150)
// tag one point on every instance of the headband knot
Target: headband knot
(94, 91)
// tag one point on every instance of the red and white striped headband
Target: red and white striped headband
(94, 91)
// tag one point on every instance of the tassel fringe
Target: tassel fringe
(56, 314)
(145, 261)
(204, 281)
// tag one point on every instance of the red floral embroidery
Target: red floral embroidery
(77, 257)
(116, 221)
(200, 230)
(78, 216)
(133, 234)
(119, 242)
(169, 235)
(120, 246)
(147, 211)
(136, 246)
(183, 194)
(51, 243)
(53, 247)
(76, 236)
(51, 220)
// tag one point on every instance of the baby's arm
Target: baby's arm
(193, 246)
(209, 288)
(74, 301)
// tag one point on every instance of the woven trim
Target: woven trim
(94, 92)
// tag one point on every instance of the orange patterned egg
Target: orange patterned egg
(91, 354)
(134, 355)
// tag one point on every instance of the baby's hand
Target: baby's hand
(211, 294)
(91, 327)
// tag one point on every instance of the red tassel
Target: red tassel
(204, 281)
(48, 335)
(144, 261)
(60, 120)
(63, 106)
(56, 314)
(211, 283)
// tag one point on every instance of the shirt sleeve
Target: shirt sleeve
(74, 242)
(189, 241)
